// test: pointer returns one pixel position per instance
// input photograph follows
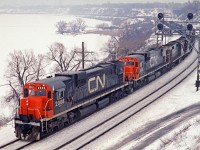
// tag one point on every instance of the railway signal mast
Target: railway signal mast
(198, 64)
(185, 30)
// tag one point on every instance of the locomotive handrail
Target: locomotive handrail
(45, 111)
(46, 106)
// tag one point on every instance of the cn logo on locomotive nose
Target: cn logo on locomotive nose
(96, 81)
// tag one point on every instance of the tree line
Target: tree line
(24, 66)
(74, 26)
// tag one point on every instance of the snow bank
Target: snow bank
(38, 32)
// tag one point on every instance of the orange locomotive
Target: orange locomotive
(37, 101)
(131, 68)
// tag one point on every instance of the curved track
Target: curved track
(140, 102)
(156, 129)
(108, 124)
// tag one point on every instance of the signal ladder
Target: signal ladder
(198, 64)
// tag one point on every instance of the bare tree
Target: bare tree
(81, 24)
(23, 66)
(102, 26)
(61, 27)
(63, 60)
(112, 48)
(75, 26)
(39, 66)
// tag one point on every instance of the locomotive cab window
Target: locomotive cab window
(60, 94)
(130, 63)
(136, 64)
(25, 92)
(141, 64)
(41, 93)
(31, 92)
(49, 94)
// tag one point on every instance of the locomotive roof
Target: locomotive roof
(139, 57)
(93, 69)
(68, 73)
(105, 64)
(55, 82)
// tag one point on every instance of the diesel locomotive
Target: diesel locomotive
(52, 103)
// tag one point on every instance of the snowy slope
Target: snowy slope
(37, 32)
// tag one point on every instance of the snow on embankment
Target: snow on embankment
(38, 32)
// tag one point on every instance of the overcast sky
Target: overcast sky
(61, 2)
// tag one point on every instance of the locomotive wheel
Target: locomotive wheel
(18, 133)
(112, 97)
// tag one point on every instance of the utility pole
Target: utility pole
(84, 54)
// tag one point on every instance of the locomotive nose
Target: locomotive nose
(31, 108)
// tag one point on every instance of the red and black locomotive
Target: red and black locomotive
(52, 103)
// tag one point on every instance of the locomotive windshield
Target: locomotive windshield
(130, 63)
(40, 93)
(31, 92)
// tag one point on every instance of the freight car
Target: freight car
(50, 104)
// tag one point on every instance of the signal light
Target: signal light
(190, 16)
(189, 27)
(160, 16)
(160, 26)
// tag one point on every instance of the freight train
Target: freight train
(53, 103)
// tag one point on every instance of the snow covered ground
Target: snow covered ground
(181, 97)
(38, 32)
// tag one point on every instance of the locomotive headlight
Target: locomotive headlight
(26, 104)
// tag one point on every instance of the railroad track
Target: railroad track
(9, 143)
(138, 106)
(16, 144)
(107, 125)
(148, 137)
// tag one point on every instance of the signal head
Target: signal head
(190, 16)
(160, 16)
(189, 27)
(160, 26)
